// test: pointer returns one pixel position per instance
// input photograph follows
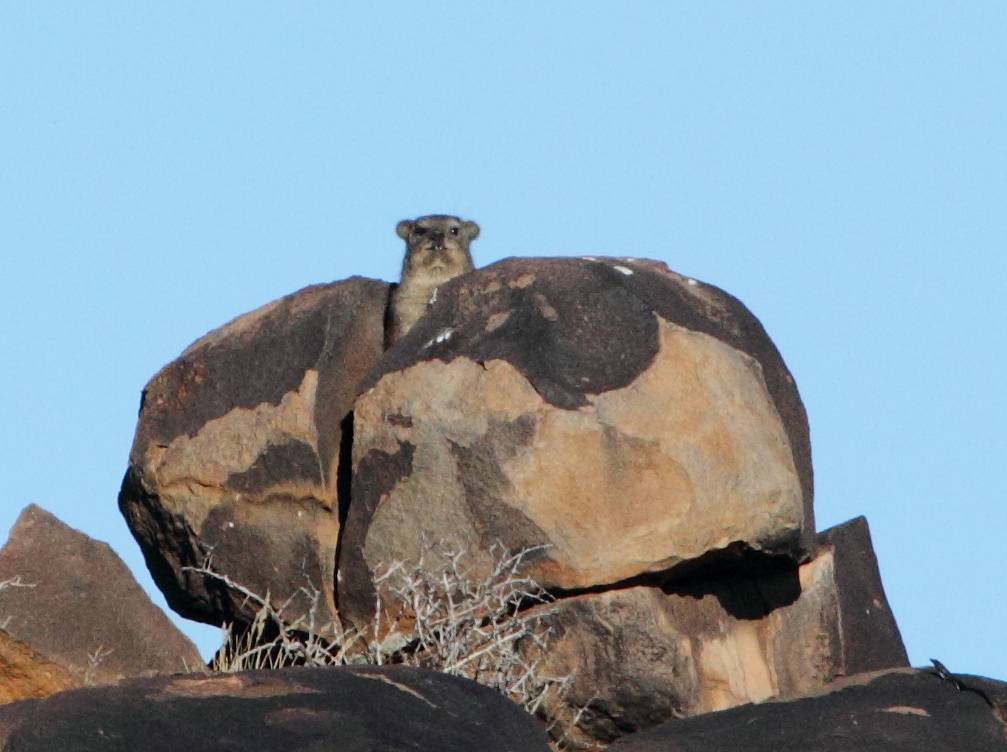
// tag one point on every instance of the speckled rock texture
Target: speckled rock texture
(627, 419)
(81, 609)
(392, 709)
(645, 654)
(897, 711)
(237, 452)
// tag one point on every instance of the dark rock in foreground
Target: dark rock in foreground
(295, 710)
(81, 608)
(897, 711)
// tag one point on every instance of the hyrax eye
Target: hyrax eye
(419, 231)
(454, 230)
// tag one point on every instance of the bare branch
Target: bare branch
(437, 613)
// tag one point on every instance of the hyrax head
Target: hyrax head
(437, 245)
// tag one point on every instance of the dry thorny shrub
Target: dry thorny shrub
(433, 613)
(274, 640)
(472, 626)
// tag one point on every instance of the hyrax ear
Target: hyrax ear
(471, 230)
(403, 228)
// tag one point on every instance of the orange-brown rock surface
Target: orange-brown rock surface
(26, 675)
(79, 607)
(627, 419)
(237, 451)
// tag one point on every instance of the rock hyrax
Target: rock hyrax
(437, 249)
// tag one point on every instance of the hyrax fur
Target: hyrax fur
(437, 249)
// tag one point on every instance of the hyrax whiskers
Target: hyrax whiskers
(437, 249)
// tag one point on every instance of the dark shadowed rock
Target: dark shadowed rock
(394, 709)
(237, 451)
(899, 711)
(642, 655)
(629, 419)
(83, 609)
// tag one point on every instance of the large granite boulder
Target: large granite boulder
(393, 709)
(78, 607)
(627, 420)
(895, 711)
(241, 450)
(644, 654)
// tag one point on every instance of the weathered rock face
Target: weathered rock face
(237, 451)
(628, 419)
(897, 711)
(642, 655)
(395, 709)
(24, 674)
(81, 608)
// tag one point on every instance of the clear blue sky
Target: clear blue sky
(840, 167)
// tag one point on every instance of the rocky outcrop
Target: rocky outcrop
(298, 710)
(897, 711)
(626, 419)
(237, 452)
(634, 431)
(648, 653)
(78, 607)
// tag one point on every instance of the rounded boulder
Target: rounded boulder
(619, 418)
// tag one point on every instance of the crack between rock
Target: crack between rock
(728, 574)
(386, 322)
(344, 493)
